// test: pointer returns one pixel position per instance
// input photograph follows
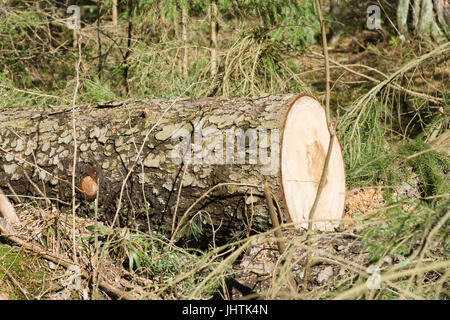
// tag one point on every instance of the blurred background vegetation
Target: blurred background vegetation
(389, 86)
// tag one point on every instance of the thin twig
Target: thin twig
(330, 144)
(75, 148)
(328, 118)
(47, 201)
(274, 218)
(14, 194)
(95, 263)
(428, 240)
(178, 197)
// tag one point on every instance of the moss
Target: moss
(26, 269)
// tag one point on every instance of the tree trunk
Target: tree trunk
(426, 18)
(416, 14)
(175, 19)
(402, 16)
(200, 143)
(424, 22)
(443, 13)
(184, 18)
(334, 8)
(213, 24)
(114, 13)
(125, 65)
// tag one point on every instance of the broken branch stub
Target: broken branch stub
(7, 210)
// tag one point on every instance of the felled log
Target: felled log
(167, 143)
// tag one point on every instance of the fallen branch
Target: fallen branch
(120, 294)
(392, 85)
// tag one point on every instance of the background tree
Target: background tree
(429, 18)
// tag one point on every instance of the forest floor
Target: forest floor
(24, 274)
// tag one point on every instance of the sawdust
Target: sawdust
(363, 200)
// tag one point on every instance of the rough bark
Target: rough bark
(443, 12)
(425, 18)
(39, 143)
(416, 14)
(443, 15)
(402, 16)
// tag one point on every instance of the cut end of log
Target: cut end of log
(89, 187)
(303, 151)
